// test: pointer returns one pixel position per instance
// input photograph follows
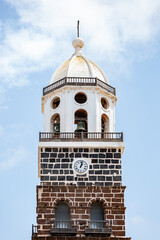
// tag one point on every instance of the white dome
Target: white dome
(78, 66)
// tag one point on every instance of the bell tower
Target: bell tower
(80, 195)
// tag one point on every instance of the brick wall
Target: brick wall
(79, 200)
(104, 169)
(78, 238)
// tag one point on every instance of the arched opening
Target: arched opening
(104, 123)
(96, 215)
(80, 120)
(55, 123)
(62, 215)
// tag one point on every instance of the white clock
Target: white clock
(80, 166)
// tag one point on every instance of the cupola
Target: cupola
(78, 65)
(79, 98)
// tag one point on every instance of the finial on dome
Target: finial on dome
(78, 42)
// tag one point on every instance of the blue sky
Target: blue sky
(122, 37)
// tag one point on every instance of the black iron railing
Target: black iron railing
(92, 224)
(82, 136)
(102, 228)
(97, 224)
(34, 230)
(92, 227)
(78, 81)
(63, 227)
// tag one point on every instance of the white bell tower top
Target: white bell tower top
(79, 97)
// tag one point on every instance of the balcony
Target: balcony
(63, 228)
(71, 228)
(78, 81)
(81, 136)
(99, 228)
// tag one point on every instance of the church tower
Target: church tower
(80, 195)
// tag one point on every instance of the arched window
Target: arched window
(104, 123)
(55, 123)
(81, 121)
(62, 215)
(96, 215)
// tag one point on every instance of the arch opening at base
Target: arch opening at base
(81, 121)
(104, 123)
(55, 123)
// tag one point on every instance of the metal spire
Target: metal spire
(78, 28)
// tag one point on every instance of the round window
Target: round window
(55, 102)
(104, 103)
(80, 98)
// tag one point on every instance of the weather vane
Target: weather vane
(78, 28)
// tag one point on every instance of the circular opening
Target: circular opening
(80, 98)
(104, 103)
(55, 102)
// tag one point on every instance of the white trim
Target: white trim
(84, 144)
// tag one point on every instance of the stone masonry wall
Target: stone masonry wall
(79, 200)
(104, 170)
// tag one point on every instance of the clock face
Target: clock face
(80, 166)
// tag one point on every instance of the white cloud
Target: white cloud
(12, 157)
(24, 51)
(117, 32)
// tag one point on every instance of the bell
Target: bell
(80, 127)
(57, 128)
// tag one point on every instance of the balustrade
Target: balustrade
(81, 136)
(78, 81)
